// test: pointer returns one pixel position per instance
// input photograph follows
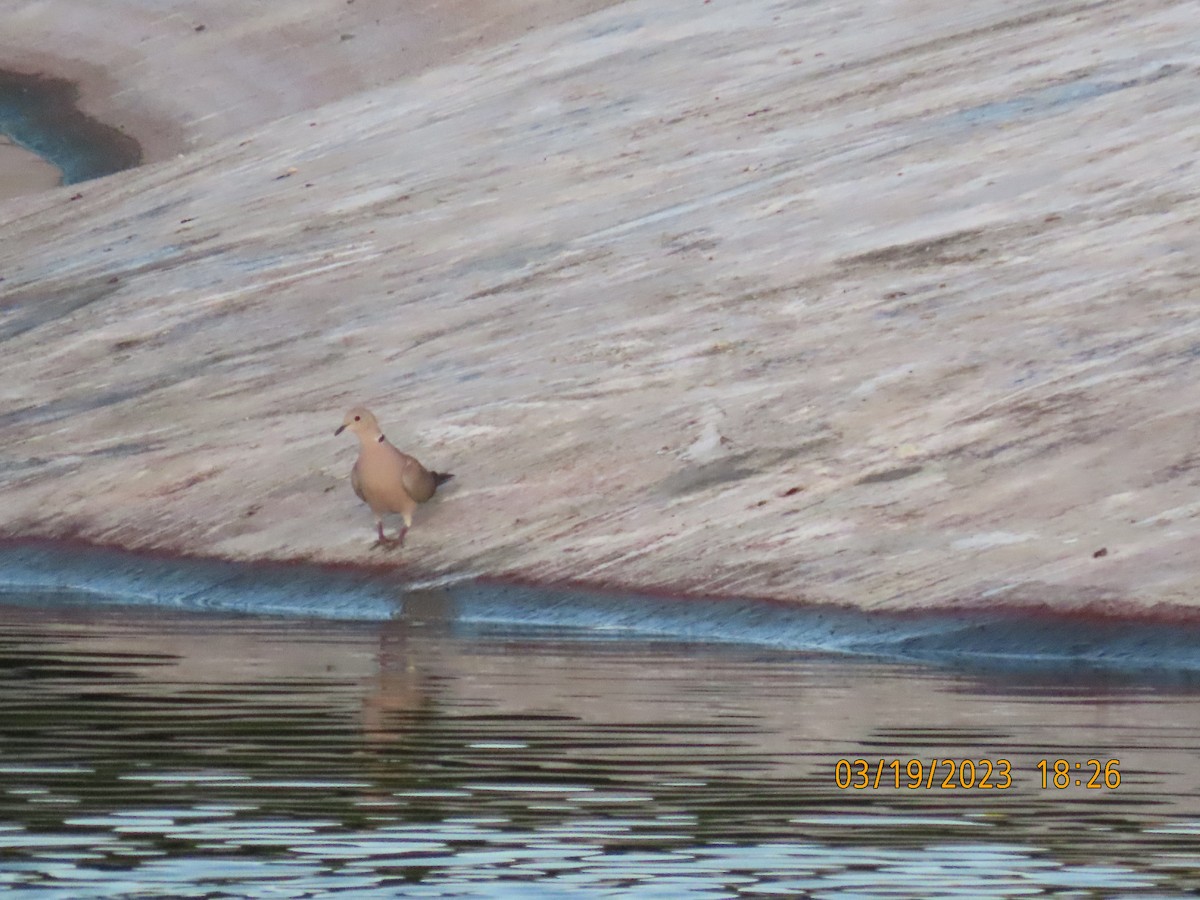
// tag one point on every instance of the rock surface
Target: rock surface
(890, 305)
(21, 172)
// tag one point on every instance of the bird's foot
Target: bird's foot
(388, 543)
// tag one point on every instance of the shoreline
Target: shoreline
(1155, 644)
(387, 576)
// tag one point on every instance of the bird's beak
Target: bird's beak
(341, 428)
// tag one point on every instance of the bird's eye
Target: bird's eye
(358, 418)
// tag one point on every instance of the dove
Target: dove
(385, 479)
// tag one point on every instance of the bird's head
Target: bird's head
(360, 421)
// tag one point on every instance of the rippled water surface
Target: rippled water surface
(154, 753)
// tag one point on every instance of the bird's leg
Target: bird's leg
(398, 540)
(384, 540)
(404, 530)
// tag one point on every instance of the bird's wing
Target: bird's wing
(356, 482)
(418, 481)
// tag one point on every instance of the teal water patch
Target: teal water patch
(1076, 644)
(40, 114)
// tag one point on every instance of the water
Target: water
(149, 751)
(40, 114)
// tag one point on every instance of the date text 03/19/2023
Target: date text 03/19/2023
(972, 774)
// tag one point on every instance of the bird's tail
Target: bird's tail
(440, 478)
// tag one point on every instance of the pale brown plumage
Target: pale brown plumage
(385, 479)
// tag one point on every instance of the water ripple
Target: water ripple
(265, 757)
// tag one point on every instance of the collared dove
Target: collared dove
(385, 479)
